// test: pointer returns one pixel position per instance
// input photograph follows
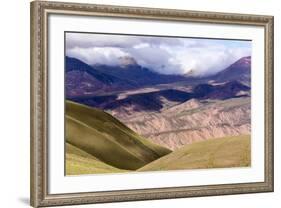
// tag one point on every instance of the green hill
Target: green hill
(109, 141)
(214, 153)
(80, 162)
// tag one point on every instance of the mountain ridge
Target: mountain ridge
(152, 101)
(83, 79)
(239, 71)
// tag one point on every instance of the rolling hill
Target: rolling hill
(214, 153)
(96, 143)
(80, 162)
(107, 139)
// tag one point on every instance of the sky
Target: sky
(164, 55)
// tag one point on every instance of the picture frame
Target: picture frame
(41, 85)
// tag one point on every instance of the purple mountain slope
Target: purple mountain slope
(98, 84)
(239, 71)
(139, 75)
(84, 80)
(153, 101)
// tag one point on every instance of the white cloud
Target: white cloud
(97, 55)
(163, 55)
(86, 40)
(208, 59)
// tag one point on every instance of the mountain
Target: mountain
(126, 61)
(156, 100)
(141, 76)
(239, 71)
(190, 121)
(107, 139)
(150, 101)
(83, 80)
(223, 91)
(127, 118)
(214, 153)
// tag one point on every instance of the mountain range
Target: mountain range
(153, 101)
(83, 80)
(171, 110)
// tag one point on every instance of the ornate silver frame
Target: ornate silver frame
(39, 103)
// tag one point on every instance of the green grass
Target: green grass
(109, 141)
(214, 153)
(96, 142)
(79, 162)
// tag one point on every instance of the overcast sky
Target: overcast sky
(161, 54)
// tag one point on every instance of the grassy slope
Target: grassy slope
(214, 153)
(80, 162)
(107, 139)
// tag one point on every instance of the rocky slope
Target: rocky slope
(239, 71)
(84, 80)
(191, 121)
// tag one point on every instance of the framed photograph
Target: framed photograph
(142, 103)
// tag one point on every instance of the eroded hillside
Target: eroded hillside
(191, 121)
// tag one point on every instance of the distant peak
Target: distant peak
(127, 61)
(244, 60)
(190, 72)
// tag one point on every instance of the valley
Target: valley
(148, 121)
(97, 143)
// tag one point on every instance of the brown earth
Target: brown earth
(191, 121)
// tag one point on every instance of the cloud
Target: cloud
(209, 58)
(86, 40)
(161, 54)
(97, 55)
